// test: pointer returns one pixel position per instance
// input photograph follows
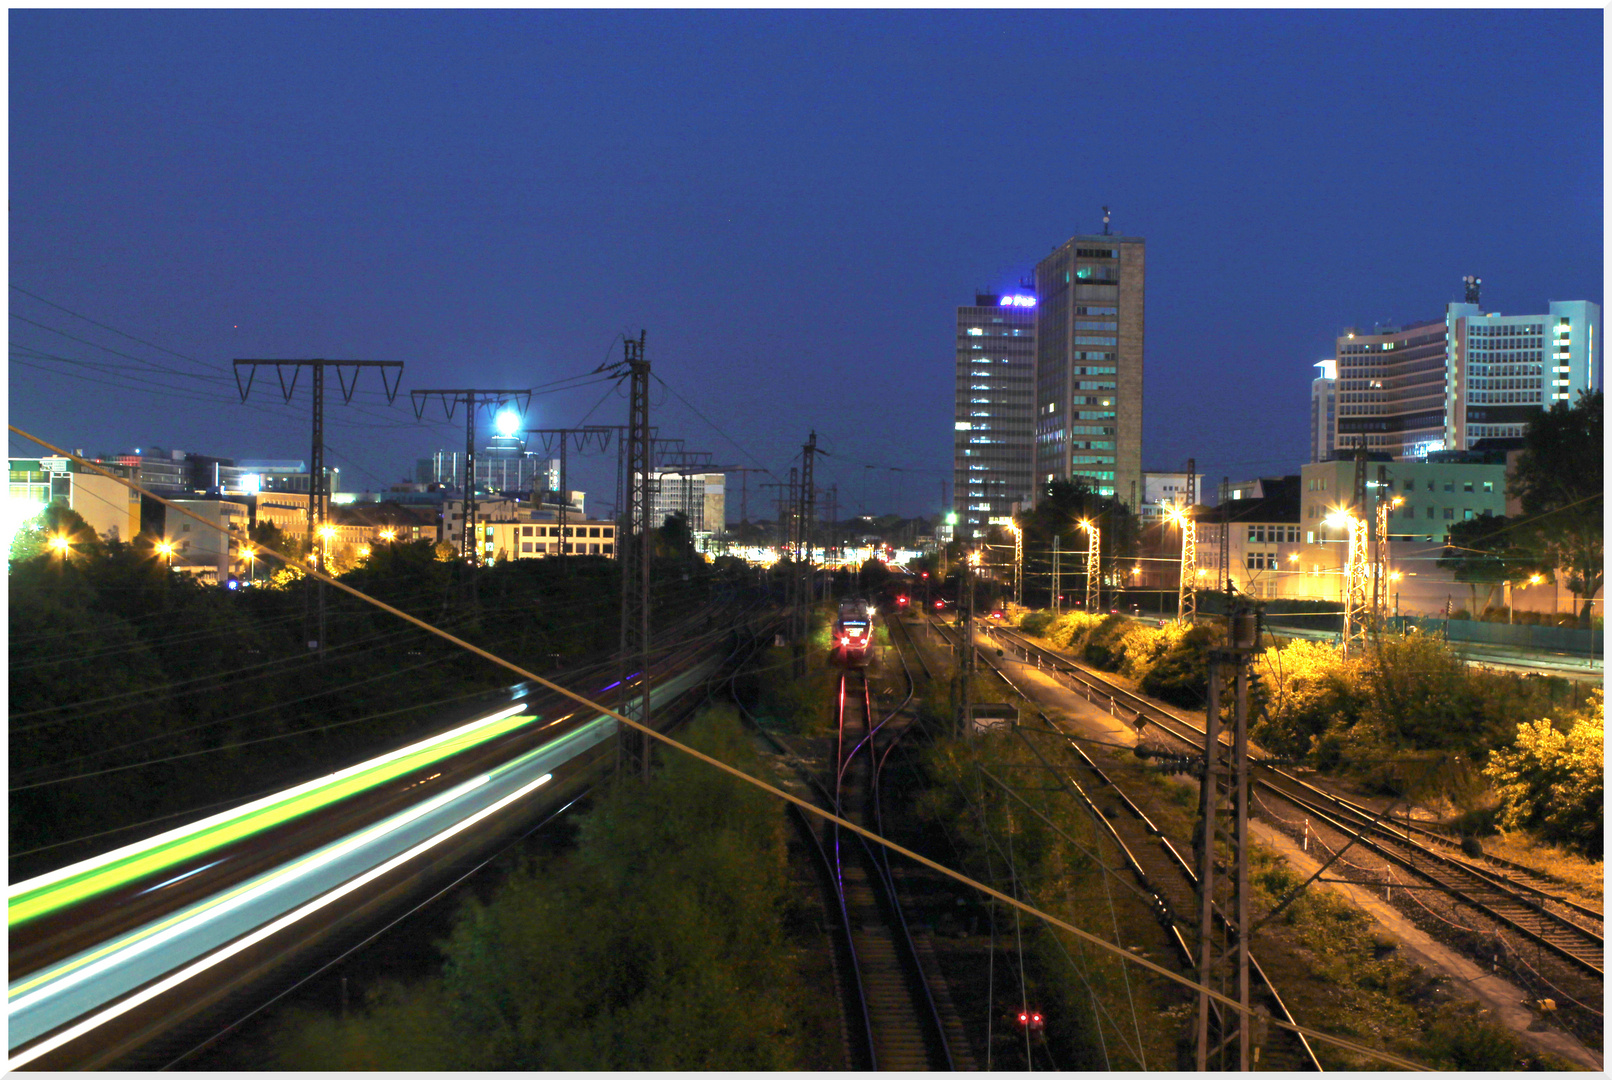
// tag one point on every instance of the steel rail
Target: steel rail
(1281, 1009)
(1170, 723)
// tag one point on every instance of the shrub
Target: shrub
(1553, 782)
(1181, 674)
(1036, 623)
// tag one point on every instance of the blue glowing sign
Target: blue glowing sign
(1018, 300)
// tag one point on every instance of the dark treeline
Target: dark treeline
(115, 661)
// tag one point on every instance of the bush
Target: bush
(1036, 623)
(1181, 675)
(1553, 782)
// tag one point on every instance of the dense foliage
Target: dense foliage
(137, 693)
(658, 943)
(1553, 781)
(1406, 715)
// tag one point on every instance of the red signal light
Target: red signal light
(1023, 1018)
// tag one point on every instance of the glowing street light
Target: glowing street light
(250, 555)
(387, 534)
(166, 549)
(61, 544)
(507, 422)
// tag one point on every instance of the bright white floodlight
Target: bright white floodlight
(508, 422)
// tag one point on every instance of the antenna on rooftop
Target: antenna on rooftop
(1472, 286)
(1105, 221)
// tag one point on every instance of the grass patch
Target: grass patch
(1342, 976)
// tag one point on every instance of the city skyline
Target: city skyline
(793, 219)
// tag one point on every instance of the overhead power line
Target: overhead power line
(743, 777)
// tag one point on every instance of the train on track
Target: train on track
(853, 633)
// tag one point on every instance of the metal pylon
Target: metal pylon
(634, 549)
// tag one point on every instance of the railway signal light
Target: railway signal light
(1031, 1020)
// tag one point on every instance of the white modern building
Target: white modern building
(1323, 410)
(1447, 383)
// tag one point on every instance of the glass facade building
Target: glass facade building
(993, 437)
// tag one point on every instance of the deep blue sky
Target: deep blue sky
(792, 204)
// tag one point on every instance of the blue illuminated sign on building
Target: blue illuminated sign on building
(1018, 300)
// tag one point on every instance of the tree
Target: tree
(1489, 551)
(1558, 480)
(55, 520)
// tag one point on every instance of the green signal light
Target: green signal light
(139, 864)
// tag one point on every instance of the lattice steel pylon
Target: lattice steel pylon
(634, 549)
(1357, 608)
(555, 438)
(1018, 564)
(1382, 547)
(1187, 592)
(1093, 566)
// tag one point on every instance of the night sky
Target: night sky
(791, 203)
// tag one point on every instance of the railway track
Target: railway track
(1166, 877)
(893, 1018)
(1500, 891)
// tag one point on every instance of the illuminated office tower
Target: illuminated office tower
(993, 437)
(1090, 320)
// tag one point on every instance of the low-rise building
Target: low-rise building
(106, 506)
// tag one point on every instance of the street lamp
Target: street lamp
(61, 544)
(250, 555)
(165, 548)
(387, 535)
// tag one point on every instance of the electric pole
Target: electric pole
(1185, 515)
(1223, 919)
(1094, 594)
(634, 547)
(318, 485)
(808, 510)
(1057, 582)
(744, 491)
(583, 437)
(470, 547)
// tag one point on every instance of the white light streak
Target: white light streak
(134, 1001)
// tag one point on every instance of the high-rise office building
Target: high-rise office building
(1446, 383)
(1090, 320)
(1323, 411)
(994, 436)
(1503, 369)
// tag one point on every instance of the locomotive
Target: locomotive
(853, 633)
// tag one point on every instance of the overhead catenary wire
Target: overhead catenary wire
(746, 778)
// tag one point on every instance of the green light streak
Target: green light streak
(182, 849)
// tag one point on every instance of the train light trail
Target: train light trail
(135, 1000)
(71, 884)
